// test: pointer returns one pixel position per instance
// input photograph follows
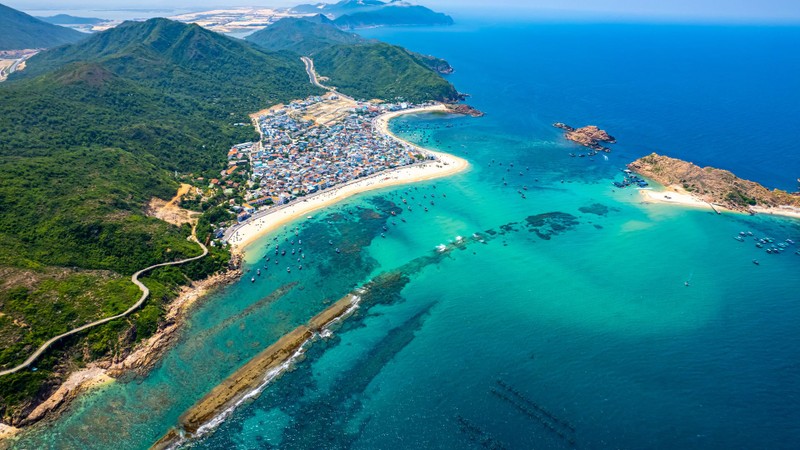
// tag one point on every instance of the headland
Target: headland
(690, 185)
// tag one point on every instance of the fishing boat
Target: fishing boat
(253, 279)
(288, 269)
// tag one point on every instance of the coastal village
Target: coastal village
(306, 147)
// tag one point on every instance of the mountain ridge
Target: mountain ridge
(368, 13)
(19, 31)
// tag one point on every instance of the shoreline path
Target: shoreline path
(135, 280)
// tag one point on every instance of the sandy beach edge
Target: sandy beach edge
(268, 220)
(677, 196)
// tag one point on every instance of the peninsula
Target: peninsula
(692, 185)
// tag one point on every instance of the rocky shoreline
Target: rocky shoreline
(588, 136)
(139, 360)
(716, 186)
(460, 108)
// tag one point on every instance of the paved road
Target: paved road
(312, 75)
(145, 294)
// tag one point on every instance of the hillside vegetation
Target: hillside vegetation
(304, 36)
(359, 67)
(88, 134)
(20, 31)
(382, 71)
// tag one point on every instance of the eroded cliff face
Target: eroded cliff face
(710, 184)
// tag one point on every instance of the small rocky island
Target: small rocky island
(716, 186)
(589, 136)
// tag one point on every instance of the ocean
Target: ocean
(570, 315)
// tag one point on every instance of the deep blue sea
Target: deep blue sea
(573, 317)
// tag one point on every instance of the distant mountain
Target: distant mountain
(66, 19)
(369, 13)
(304, 36)
(342, 7)
(382, 71)
(393, 16)
(20, 31)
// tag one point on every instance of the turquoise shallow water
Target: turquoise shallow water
(569, 326)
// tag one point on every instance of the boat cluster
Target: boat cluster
(583, 155)
(631, 179)
(521, 173)
(278, 251)
(767, 243)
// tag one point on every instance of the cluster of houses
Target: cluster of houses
(297, 156)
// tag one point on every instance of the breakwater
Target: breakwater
(250, 377)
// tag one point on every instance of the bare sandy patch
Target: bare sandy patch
(169, 211)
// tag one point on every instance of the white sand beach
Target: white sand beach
(267, 220)
(683, 198)
(673, 197)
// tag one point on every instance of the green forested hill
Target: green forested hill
(359, 67)
(384, 71)
(302, 35)
(179, 59)
(20, 31)
(89, 133)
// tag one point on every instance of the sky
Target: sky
(671, 10)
